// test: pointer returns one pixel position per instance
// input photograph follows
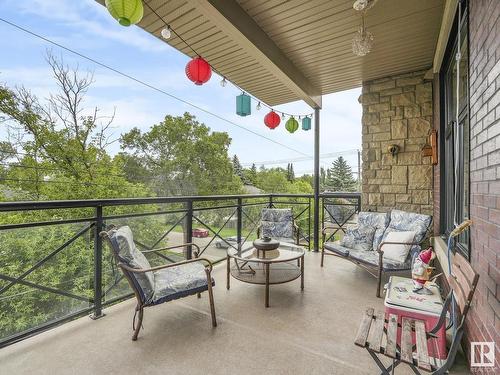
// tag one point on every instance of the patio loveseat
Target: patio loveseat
(377, 233)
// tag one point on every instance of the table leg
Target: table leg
(302, 273)
(267, 284)
(228, 272)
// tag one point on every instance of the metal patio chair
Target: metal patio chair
(399, 347)
(278, 223)
(155, 285)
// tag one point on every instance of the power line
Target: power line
(137, 80)
(304, 158)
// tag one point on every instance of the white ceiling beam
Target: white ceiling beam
(239, 26)
(446, 25)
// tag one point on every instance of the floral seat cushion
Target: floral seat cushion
(277, 223)
(372, 258)
(337, 248)
(179, 281)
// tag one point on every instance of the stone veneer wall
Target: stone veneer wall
(397, 110)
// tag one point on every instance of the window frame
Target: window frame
(446, 123)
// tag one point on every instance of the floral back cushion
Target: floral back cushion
(377, 220)
(359, 238)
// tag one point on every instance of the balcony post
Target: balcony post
(316, 179)
(239, 223)
(188, 235)
(99, 226)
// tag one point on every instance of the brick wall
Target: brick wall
(397, 110)
(437, 168)
(484, 31)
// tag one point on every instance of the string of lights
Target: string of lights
(148, 85)
(167, 32)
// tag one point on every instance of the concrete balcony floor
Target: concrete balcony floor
(309, 332)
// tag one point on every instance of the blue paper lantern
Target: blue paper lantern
(243, 105)
(306, 123)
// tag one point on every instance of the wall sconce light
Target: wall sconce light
(393, 149)
(430, 148)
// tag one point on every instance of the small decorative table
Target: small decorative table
(403, 302)
(266, 267)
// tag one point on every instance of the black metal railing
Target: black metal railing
(54, 268)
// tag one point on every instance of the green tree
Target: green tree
(273, 180)
(184, 157)
(322, 178)
(290, 172)
(58, 147)
(339, 177)
(238, 169)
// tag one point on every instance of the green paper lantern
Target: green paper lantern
(126, 12)
(306, 123)
(243, 105)
(292, 125)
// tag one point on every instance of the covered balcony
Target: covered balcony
(415, 158)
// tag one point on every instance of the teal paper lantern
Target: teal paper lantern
(292, 125)
(126, 12)
(243, 105)
(306, 123)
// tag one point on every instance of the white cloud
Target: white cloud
(90, 18)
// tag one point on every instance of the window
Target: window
(455, 145)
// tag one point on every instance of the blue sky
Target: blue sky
(85, 26)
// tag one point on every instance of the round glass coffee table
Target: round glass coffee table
(271, 267)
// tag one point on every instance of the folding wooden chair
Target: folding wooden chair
(379, 334)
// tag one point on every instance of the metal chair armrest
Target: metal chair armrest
(208, 265)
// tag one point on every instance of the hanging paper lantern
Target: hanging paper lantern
(306, 123)
(126, 12)
(243, 105)
(292, 125)
(198, 71)
(272, 120)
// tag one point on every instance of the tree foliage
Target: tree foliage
(339, 176)
(183, 156)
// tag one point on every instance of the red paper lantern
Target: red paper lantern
(198, 71)
(272, 120)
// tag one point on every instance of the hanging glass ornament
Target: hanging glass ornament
(362, 42)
